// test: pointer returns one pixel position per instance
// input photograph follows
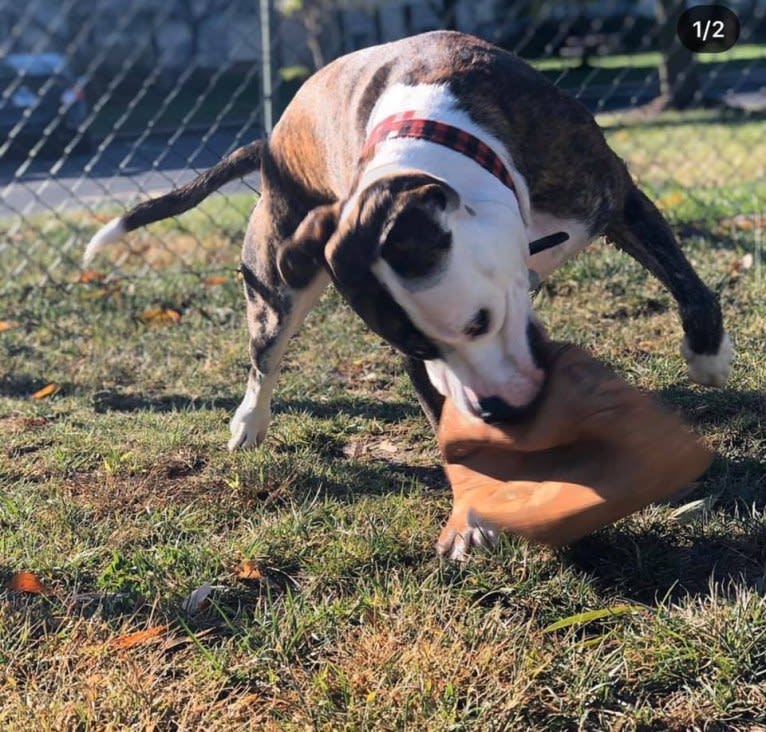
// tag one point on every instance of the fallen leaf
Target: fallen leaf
(745, 221)
(172, 643)
(215, 280)
(196, 599)
(8, 325)
(694, 509)
(91, 276)
(248, 700)
(747, 261)
(138, 638)
(671, 200)
(160, 316)
(249, 570)
(46, 391)
(103, 290)
(27, 582)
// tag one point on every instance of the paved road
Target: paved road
(121, 172)
(128, 169)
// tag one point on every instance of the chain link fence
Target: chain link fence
(104, 103)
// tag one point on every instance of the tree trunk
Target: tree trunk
(679, 81)
(313, 24)
(450, 15)
(409, 25)
(446, 11)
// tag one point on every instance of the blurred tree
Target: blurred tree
(314, 15)
(446, 11)
(679, 82)
(323, 23)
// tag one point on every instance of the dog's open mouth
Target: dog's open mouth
(514, 404)
(513, 399)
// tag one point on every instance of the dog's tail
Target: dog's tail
(242, 161)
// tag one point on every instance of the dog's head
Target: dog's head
(438, 279)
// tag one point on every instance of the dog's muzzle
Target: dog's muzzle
(494, 409)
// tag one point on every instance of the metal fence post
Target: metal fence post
(266, 7)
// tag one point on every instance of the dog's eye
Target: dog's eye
(479, 325)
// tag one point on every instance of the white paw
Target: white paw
(463, 531)
(250, 423)
(709, 369)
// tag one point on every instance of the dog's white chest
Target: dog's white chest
(544, 224)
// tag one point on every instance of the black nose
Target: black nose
(494, 409)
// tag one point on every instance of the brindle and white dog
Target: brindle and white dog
(416, 175)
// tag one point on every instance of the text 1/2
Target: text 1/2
(708, 28)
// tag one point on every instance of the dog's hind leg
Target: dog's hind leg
(640, 230)
(274, 313)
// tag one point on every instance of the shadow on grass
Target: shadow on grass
(655, 565)
(739, 419)
(116, 401)
(677, 560)
(386, 411)
(716, 407)
(346, 481)
(22, 386)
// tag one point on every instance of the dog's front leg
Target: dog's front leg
(274, 313)
(641, 231)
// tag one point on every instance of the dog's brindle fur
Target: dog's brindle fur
(311, 165)
(569, 169)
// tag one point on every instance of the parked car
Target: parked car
(40, 98)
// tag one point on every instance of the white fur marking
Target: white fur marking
(250, 422)
(709, 369)
(544, 224)
(472, 182)
(106, 235)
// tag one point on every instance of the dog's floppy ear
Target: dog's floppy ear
(302, 256)
(358, 241)
(433, 193)
(416, 240)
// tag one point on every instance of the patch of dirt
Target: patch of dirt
(16, 423)
(645, 309)
(178, 478)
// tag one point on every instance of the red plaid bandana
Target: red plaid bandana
(407, 125)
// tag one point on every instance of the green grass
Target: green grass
(699, 166)
(118, 494)
(651, 59)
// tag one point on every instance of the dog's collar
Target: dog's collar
(406, 124)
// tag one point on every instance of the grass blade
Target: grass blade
(590, 615)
